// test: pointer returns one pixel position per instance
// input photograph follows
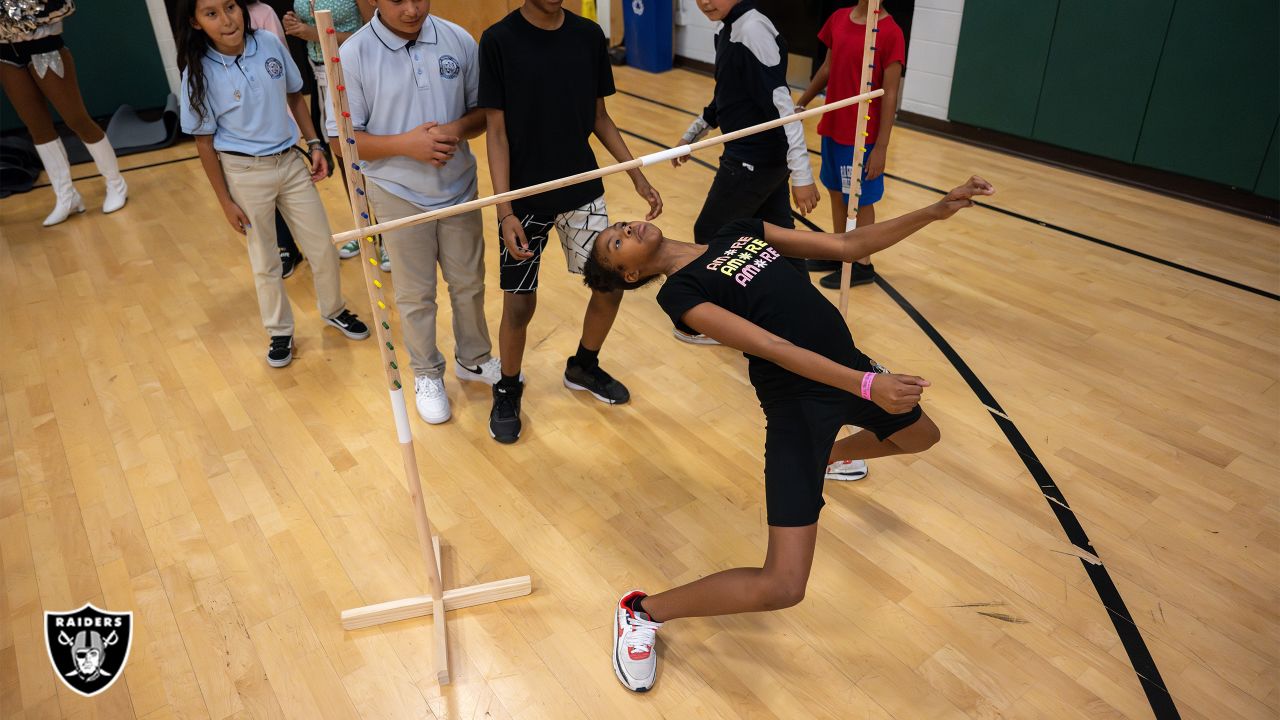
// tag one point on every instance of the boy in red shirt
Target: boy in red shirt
(844, 33)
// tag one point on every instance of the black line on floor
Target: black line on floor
(1130, 636)
(1027, 218)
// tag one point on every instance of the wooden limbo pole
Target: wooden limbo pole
(438, 600)
(650, 159)
(860, 142)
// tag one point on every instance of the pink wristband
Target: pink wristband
(866, 385)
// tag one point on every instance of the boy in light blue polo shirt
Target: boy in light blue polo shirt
(236, 99)
(412, 81)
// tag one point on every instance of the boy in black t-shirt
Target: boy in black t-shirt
(810, 377)
(544, 74)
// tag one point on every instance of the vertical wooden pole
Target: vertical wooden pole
(382, 327)
(860, 142)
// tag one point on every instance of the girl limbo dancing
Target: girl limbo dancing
(809, 376)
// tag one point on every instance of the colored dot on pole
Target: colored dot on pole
(355, 166)
(372, 261)
(382, 305)
(377, 284)
(391, 347)
(334, 59)
(331, 31)
(359, 191)
(364, 215)
(385, 326)
(395, 384)
(344, 87)
(346, 114)
(351, 141)
(394, 366)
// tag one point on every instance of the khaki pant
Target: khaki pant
(259, 186)
(457, 244)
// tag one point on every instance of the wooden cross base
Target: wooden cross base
(455, 599)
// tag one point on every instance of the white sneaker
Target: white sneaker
(384, 261)
(635, 659)
(693, 339)
(349, 250)
(489, 373)
(432, 402)
(846, 470)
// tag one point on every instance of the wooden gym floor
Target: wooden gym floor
(150, 460)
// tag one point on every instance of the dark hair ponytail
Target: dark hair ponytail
(193, 43)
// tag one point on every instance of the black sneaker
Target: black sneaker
(595, 381)
(859, 275)
(289, 262)
(349, 324)
(504, 418)
(281, 351)
(823, 266)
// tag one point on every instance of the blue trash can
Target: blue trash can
(649, 29)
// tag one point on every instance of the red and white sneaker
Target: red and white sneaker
(635, 660)
(846, 470)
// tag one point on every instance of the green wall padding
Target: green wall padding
(1100, 71)
(1269, 178)
(1216, 98)
(1000, 63)
(116, 57)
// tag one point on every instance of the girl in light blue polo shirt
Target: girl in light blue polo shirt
(238, 88)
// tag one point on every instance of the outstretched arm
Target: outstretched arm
(894, 393)
(870, 239)
(607, 131)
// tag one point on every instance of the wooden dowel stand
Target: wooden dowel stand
(438, 601)
(860, 145)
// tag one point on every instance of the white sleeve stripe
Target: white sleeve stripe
(758, 35)
(797, 151)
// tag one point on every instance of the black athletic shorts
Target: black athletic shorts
(19, 54)
(799, 434)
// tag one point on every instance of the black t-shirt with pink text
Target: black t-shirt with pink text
(747, 276)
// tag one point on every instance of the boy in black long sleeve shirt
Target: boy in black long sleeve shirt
(751, 88)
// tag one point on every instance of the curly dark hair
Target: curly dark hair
(604, 278)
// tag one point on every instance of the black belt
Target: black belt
(271, 155)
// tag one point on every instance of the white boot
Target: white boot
(104, 156)
(54, 157)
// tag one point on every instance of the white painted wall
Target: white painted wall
(164, 41)
(931, 59)
(695, 34)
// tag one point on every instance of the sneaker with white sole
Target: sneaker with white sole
(635, 658)
(384, 261)
(596, 381)
(350, 325)
(846, 470)
(432, 402)
(693, 338)
(488, 372)
(281, 351)
(349, 250)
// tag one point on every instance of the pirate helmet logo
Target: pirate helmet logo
(88, 647)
